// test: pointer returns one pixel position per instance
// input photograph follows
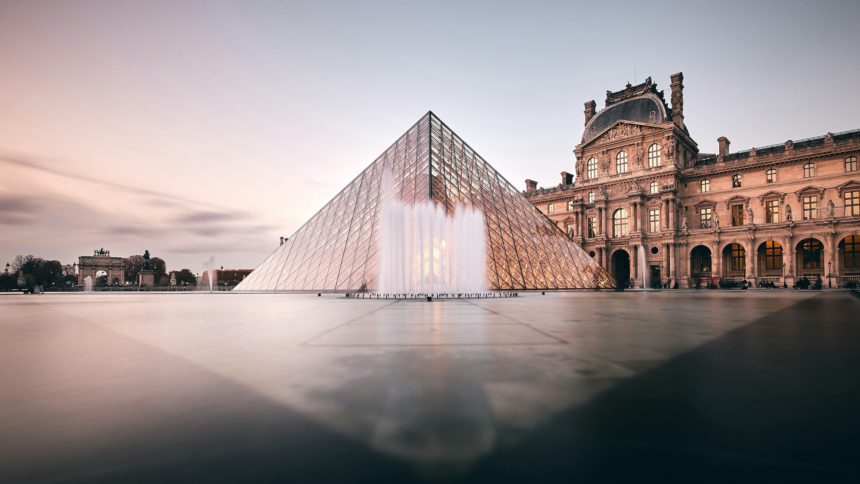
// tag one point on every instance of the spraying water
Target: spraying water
(209, 272)
(426, 251)
(643, 268)
(88, 284)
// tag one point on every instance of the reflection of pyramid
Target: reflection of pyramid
(337, 249)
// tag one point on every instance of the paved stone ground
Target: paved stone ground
(675, 386)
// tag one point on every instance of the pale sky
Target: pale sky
(198, 129)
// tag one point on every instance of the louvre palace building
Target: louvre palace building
(653, 210)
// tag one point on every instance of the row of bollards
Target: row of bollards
(430, 297)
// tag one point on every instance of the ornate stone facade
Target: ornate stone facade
(653, 210)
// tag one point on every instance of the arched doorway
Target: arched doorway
(700, 265)
(849, 272)
(734, 261)
(810, 257)
(621, 268)
(101, 278)
(770, 260)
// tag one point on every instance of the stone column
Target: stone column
(716, 261)
(671, 216)
(667, 262)
(600, 221)
(673, 261)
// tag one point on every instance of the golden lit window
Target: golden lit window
(770, 175)
(654, 155)
(705, 186)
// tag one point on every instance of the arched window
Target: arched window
(619, 223)
(850, 164)
(591, 168)
(770, 254)
(850, 249)
(654, 155)
(652, 188)
(808, 170)
(621, 162)
(590, 197)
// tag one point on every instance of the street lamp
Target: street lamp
(829, 273)
(784, 285)
(7, 268)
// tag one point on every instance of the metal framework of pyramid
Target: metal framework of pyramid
(337, 249)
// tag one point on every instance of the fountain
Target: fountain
(88, 284)
(426, 251)
(643, 267)
(209, 272)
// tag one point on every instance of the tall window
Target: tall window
(737, 258)
(850, 248)
(771, 211)
(810, 254)
(592, 227)
(808, 170)
(619, 223)
(654, 155)
(705, 218)
(569, 229)
(810, 207)
(654, 219)
(737, 181)
(850, 164)
(621, 162)
(550, 208)
(570, 205)
(770, 175)
(772, 256)
(737, 215)
(591, 168)
(590, 197)
(852, 203)
(652, 188)
(705, 185)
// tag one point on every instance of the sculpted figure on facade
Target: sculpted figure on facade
(750, 215)
(831, 209)
(716, 220)
(788, 213)
(640, 153)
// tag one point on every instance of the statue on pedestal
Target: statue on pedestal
(788, 213)
(146, 260)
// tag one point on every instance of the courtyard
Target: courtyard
(577, 386)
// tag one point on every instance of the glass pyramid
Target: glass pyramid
(337, 249)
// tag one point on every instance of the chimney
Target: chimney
(678, 99)
(566, 178)
(531, 186)
(282, 241)
(724, 145)
(589, 110)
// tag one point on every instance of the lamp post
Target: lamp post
(784, 285)
(829, 273)
(7, 269)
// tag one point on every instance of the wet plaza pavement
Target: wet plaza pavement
(673, 386)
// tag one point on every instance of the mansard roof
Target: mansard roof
(640, 103)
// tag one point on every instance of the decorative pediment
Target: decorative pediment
(620, 130)
(705, 204)
(809, 190)
(737, 200)
(771, 195)
(849, 185)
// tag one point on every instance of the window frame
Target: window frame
(737, 180)
(770, 175)
(850, 164)
(772, 211)
(809, 169)
(620, 157)
(705, 185)
(706, 217)
(653, 188)
(809, 207)
(654, 220)
(620, 222)
(851, 200)
(655, 155)
(591, 168)
(736, 213)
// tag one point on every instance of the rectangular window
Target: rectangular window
(590, 197)
(737, 215)
(705, 185)
(736, 181)
(850, 164)
(570, 205)
(705, 218)
(654, 219)
(592, 227)
(809, 170)
(770, 175)
(810, 207)
(550, 208)
(852, 203)
(771, 211)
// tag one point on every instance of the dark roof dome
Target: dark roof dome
(641, 103)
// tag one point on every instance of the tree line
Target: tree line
(29, 271)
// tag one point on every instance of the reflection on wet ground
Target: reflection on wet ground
(225, 387)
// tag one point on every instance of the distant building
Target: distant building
(643, 192)
(101, 264)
